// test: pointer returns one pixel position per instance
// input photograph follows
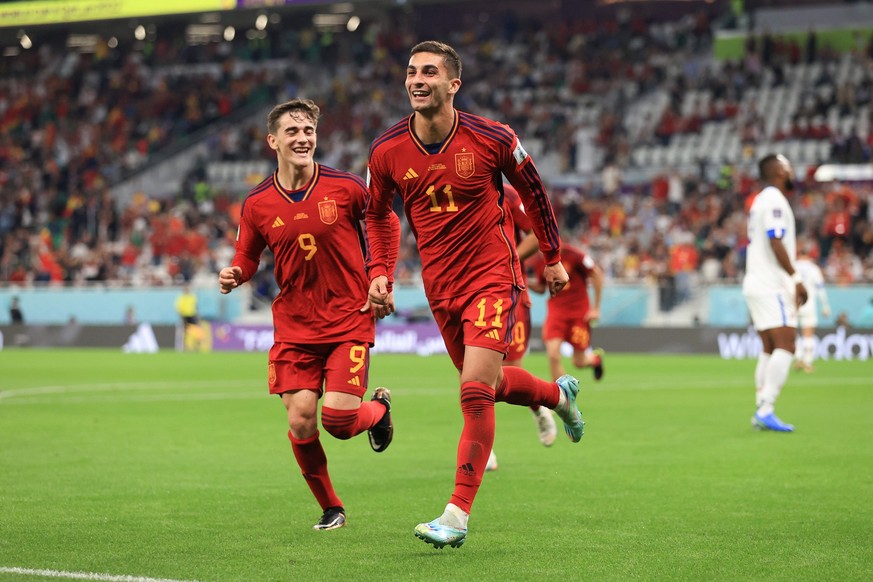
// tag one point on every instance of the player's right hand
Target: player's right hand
(229, 279)
(592, 316)
(802, 295)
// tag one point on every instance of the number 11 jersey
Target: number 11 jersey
(454, 200)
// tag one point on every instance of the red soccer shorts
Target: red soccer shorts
(324, 367)
(574, 330)
(520, 334)
(483, 318)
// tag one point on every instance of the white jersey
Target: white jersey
(769, 217)
(813, 280)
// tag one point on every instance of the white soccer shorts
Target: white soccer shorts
(771, 309)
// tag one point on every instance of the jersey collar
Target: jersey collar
(420, 145)
(300, 194)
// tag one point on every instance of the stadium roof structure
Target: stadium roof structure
(844, 173)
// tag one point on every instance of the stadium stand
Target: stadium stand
(648, 142)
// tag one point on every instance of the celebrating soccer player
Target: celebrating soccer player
(309, 216)
(771, 287)
(570, 313)
(448, 168)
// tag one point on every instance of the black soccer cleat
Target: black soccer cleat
(598, 367)
(333, 518)
(381, 434)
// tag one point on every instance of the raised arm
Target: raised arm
(521, 172)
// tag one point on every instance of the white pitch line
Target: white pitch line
(84, 575)
(114, 387)
(185, 397)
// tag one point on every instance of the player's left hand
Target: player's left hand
(802, 295)
(556, 277)
(380, 311)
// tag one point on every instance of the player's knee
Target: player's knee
(302, 426)
(339, 423)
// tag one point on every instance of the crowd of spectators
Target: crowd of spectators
(86, 121)
(686, 230)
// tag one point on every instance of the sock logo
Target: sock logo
(466, 469)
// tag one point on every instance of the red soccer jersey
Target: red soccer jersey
(319, 247)
(454, 203)
(572, 301)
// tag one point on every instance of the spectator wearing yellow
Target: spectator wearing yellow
(186, 307)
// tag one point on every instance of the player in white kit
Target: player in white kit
(771, 287)
(807, 315)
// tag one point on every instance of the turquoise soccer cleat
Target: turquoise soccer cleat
(440, 536)
(569, 411)
(771, 422)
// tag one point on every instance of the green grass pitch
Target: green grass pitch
(177, 466)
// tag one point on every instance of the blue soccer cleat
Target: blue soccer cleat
(569, 411)
(771, 422)
(440, 536)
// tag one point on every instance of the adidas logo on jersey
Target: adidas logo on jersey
(278, 222)
(410, 174)
(494, 334)
(355, 381)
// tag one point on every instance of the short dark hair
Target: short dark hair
(765, 164)
(306, 107)
(450, 55)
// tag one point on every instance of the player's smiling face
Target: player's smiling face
(428, 83)
(295, 139)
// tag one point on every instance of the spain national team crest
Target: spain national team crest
(327, 211)
(271, 373)
(464, 164)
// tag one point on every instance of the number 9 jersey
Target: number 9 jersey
(319, 248)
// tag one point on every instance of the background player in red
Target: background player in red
(448, 168)
(569, 314)
(310, 216)
(520, 341)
